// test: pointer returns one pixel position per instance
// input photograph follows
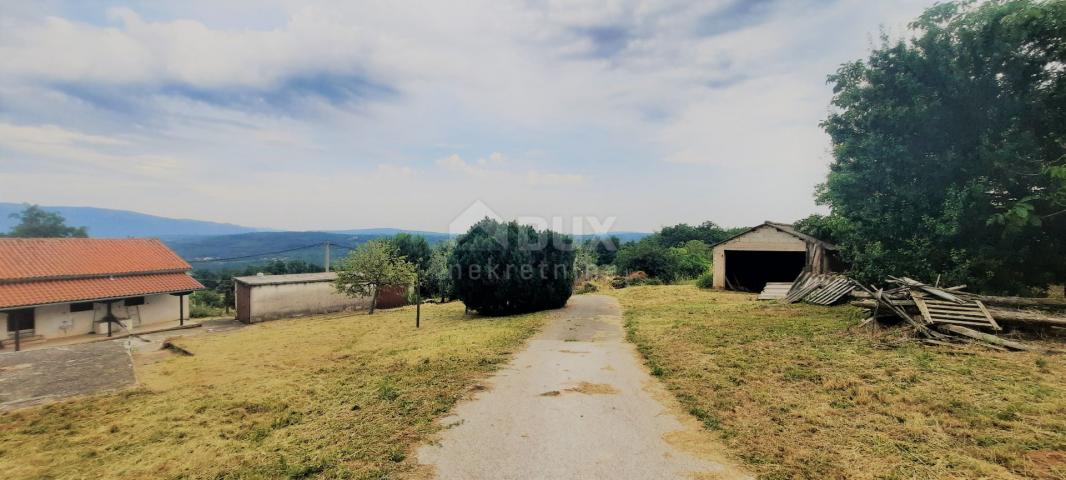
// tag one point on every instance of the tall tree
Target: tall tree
(414, 248)
(34, 222)
(949, 149)
(375, 264)
(438, 276)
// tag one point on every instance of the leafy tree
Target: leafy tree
(707, 232)
(822, 227)
(438, 275)
(650, 257)
(606, 249)
(585, 261)
(503, 268)
(370, 267)
(34, 222)
(413, 248)
(949, 150)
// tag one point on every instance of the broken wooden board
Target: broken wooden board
(831, 291)
(971, 313)
(775, 290)
(804, 286)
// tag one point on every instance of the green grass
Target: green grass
(794, 394)
(336, 397)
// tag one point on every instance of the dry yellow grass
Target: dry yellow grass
(336, 397)
(795, 395)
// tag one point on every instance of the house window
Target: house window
(81, 307)
(20, 320)
(134, 301)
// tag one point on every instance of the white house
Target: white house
(58, 287)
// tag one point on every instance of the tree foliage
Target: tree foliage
(606, 249)
(438, 277)
(370, 267)
(413, 248)
(651, 257)
(503, 268)
(708, 232)
(949, 150)
(35, 222)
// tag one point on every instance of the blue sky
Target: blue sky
(304, 115)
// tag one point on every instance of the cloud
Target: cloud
(691, 103)
(82, 151)
(456, 163)
(553, 179)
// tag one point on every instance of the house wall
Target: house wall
(269, 302)
(57, 321)
(765, 238)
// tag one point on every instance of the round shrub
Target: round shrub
(504, 268)
(705, 280)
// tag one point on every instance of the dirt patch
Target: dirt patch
(572, 351)
(1047, 464)
(593, 389)
(551, 393)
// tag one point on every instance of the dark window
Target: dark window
(134, 301)
(20, 319)
(81, 307)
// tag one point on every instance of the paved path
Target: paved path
(576, 404)
(35, 376)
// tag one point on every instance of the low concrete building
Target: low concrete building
(269, 297)
(771, 252)
(64, 287)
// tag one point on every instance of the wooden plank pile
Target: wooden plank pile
(775, 290)
(825, 289)
(940, 315)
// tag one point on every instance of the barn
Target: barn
(771, 252)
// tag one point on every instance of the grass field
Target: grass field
(338, 397)
(795, 395)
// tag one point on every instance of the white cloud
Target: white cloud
(553, 179)
(655, 97)
(81, 150)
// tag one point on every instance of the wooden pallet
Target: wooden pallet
(775, 290)
(970, 313)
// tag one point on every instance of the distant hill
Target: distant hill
(210, 252)
(108, 223)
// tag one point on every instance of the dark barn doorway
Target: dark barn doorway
(751, 270)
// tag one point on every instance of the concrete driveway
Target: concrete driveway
(577, 403)
(35, 376)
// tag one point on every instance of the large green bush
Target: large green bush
(503, 268)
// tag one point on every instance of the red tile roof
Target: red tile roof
(38, 271)
(43, 292)
(50, 258)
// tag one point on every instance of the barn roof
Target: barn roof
(42, 271)
(785, 228)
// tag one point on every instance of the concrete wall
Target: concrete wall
(765, 238)
(57, 321)
(269, 302)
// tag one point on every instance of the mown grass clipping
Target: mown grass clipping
(344, 396)
(795, 394)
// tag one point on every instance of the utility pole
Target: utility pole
(327, 256)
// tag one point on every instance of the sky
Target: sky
(334, 115)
